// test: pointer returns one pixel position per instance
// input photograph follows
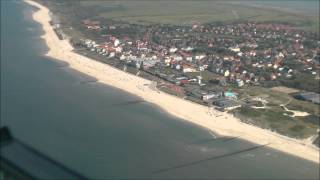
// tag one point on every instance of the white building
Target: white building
(235, 49)
(173, 50)
(116, 42)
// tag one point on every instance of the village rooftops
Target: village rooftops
(224, 57)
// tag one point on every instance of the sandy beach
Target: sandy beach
(222, 123)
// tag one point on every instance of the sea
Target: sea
(97, 130)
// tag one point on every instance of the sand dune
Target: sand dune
(224, 124)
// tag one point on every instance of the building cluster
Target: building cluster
(239, 54)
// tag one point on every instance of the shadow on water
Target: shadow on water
(82, 77)
(220, 139)
(231, 138)
(128, 103)
(88, 81)
(61, 64)
(208, 159)
(85, 79)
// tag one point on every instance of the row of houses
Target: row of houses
(241, 54)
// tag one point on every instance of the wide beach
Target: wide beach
(224, 124)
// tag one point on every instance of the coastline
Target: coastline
(225, 125)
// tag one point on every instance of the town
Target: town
(217, 65)
(204, 61)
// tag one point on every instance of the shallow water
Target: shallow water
(103, 132)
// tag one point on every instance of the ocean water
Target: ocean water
(103, 132)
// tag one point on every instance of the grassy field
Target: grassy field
(275, 117)
(186, 12)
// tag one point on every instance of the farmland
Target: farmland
(186, 12)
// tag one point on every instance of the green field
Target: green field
(275, 117)
(186, 12)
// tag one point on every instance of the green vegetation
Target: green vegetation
(274, 98)
(276, 120)
(275, 117)
(309, 107)
(206, 75)
(186, 12)
(302, 81)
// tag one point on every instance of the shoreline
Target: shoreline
(225, 125)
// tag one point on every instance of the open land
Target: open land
(186, 12)
(279, 111)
